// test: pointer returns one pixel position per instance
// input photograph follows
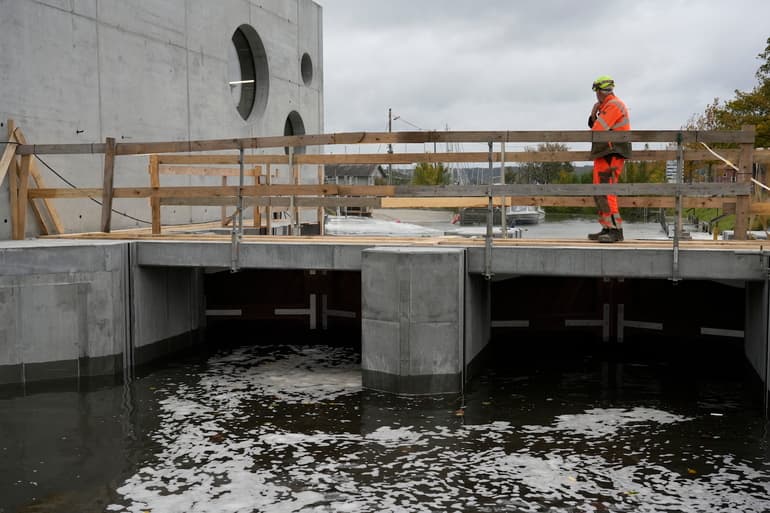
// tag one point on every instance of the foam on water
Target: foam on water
(219, 454)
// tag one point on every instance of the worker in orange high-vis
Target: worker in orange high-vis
(609, 113)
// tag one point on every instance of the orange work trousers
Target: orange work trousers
(607, 170)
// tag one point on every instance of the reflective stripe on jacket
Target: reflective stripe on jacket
(612, 115)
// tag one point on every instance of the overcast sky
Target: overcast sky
(516, 65)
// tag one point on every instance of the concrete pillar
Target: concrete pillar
(412, 310)
(478, 322)
(756, 336)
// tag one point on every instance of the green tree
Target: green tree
(543, 172)
(643, 171)
(430, 174)
(746, 108)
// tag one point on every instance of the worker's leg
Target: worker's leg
(603, 174)
(615, 166)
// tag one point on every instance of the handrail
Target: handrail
(420, 137)
(735, 196)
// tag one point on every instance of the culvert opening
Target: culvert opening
(265, 307)
(623, 340)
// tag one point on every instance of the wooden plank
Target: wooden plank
(762, 209)
(320, 212)
(107, 189)
(21, 217)
(551, 201)
(13, 180)
(155, 198)
(282, 201)
(223, 210)
(415, 137)
(13, 193)
(9, 152)
(746, 165)
(60, 149)
(623, 189)
(257, 215)
(166, 169)
(268, 209)
(53, 214)
(412, 158)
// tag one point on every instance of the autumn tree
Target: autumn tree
(746, 108)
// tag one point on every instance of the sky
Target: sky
(520, 65)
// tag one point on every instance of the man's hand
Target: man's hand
(595, 110)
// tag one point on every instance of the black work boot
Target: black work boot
(612, 235)
(595, 236)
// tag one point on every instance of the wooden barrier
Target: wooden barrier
(730, 196)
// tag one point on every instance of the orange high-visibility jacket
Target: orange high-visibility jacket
(612, 115)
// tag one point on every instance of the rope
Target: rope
(720, 157)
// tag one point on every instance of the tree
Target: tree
(543, 172)
(747, 108)
(430, 174)
(643, 171)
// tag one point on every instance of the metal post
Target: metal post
(390, 146)
(490, 219)
(766, 313)
(237, 222)
(503, 208)
(678, 208)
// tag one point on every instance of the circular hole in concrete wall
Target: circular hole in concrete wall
(294, 126)
(249, 78)
(306, 66)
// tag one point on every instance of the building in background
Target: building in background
(155, 70)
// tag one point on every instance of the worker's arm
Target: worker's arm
(592, 116)
(607, 117)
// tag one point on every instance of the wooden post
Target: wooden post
(13, 192)
(15, 134)
(745, 164)
(9, 152)
(21, 214)
(224, 207)
(154, 199)
(109, 174)
(257, 172)
(320, 214)
(269, 209)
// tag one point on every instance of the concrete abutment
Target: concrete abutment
(79, 310)
(423, 317)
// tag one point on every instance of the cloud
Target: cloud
(496, 64)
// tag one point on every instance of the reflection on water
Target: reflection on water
(288, 428)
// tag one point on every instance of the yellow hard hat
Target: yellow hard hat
(604, 82)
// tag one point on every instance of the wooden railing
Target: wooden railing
(733, 197)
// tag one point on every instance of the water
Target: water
(289, 428)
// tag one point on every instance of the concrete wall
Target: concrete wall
(62, 311)
(168, 310)
(412, 315)
(77, 309)
(78, 71)
(756, 336)
(478, 321)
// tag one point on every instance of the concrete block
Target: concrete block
(52, 324)
(10, 354)
(412, 319)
